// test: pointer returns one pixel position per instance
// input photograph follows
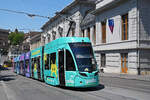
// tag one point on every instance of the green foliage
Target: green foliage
(16, 37)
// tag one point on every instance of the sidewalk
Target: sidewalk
(126, 76)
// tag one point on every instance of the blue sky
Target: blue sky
(24, 23)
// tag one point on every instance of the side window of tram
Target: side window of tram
(52, 59)
(38, 62)
(32, 63)
(70, 66)
(61, 58)
(26, 64)
(35, 64)
(46, 60)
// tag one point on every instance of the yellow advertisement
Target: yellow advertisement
(35, 53)
(53, 69)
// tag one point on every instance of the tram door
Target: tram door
(61, 67)
(38, 68)
(32, 67)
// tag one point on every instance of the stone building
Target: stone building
(118, 29)
(26, 43)
(58, 25)
(35, 40)
(123, 36)
(3, 44)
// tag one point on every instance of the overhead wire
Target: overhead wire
(25, 13)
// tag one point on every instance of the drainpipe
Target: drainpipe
(138, 37)
(0, 59)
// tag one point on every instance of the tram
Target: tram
(37, 64)
(17, 68)
(67, 61)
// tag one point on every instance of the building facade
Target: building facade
(118, 29)
(3, 45)
(34, 40)
(123, 36)
(58, 26)
(26, 43)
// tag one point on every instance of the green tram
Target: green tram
(70, 62)
(36, 65)
(67, 61)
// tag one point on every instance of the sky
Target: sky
(23, 22)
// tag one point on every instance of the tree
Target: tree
(16, 37)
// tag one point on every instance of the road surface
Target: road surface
(16, 87)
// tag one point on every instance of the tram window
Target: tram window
(26, 64)
(70, 66)
(61, 58)
(35, 63)
(38, 62)
(21, 64)
(52, 59)
(46, 59)
(32, 63)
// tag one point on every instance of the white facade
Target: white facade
(76, 12)
(115, 46)
(118, 52)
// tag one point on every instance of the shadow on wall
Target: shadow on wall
(144, 19)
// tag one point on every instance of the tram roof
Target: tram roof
(64, 40)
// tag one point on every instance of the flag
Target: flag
(111, 24)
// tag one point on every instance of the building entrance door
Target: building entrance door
(124, 63)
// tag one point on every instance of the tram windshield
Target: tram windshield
(84, 56)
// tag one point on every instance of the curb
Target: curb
(130, 77)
